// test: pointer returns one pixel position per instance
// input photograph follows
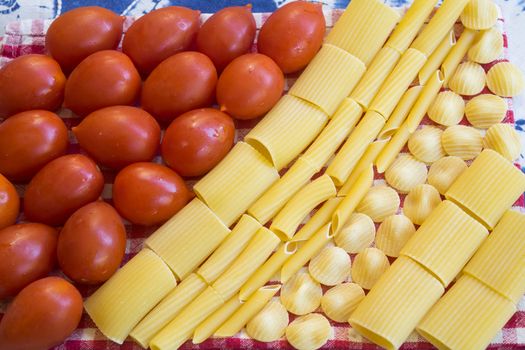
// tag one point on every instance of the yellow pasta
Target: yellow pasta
(468, 80)
(369, 265)
(247, 311)
(420, 202)
(389, 153)
(120, 303)
(447, 109)
(321, 217)
(309, 332)
(353, 33)
(504, 139)
(393, 234)
(445, 171)
(379, 203)
(406, 173)
(425, 144)
(215, 320)
(228, 251)
(357, 234)
(487, 48)
(505, 80)
(396, 304)
(467, 317)
(269, 324)
(457, 53)
(303, 202)
(483, 181)
(462, 141)
(301, 294)
(446, 241)
(187, 239)
(437, 58)
(167, 309)
(330, 267)
(401, 112)
(329, 78)
(339, 302)
(485, 110)
(236, 183)
(479, 14)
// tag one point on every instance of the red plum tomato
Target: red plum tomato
(9, 203)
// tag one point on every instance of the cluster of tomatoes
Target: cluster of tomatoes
(170, 73)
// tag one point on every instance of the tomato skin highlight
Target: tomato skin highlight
(197, 141)
(9, 203)
(28, 252)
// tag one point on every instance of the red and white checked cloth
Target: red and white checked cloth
(27, 37)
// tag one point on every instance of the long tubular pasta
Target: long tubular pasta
(445, 171)
(379, 203)
(120, 303)
(505, 80)
(188, 238)
(309, 332)
(272, 135)
(255, 254)
(504, 139)
(329, 78)
(462, 141)
(447, 109)
(468, 80)
(438, 27)
(406, 173)
(369, 266)
(236, 183)
(479, 14)
(393, 234)
(396, 304)
(229, 249)
(167, 309)
(301, 294)
(247, 311)
(215, 320)
(483, 180)
(445, 242)
(485, 110)
(437, 58)
(337, 130)
(499, 261)
(467, 317)
(487, 48)
(353, 33)
(357, 234)
(389, 153)
(331, 266)
(339, 302)
(420, 202)
(354, 147)
(425, 144)
(457, 53)
(401, 112)
(303, 202)
(321, 217)
(269, 324)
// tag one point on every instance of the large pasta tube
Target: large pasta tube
(437, 58)
(216, 319)
(188, 238)
(457, 53)
(445, 242)
(396, 304)
(236, 183)
(120, 303)
(287, 130)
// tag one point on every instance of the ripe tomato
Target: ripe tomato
(105, 78)
(31, 82)
(292, 35)
(27, 252)
(43, 315)
(118, 136)
(29, 140)
(61, 187)
(149, 193)
(197, 141)
(9, 203)
(250, 86)
(92, 243)
(227, 34)
(159, 35)
(183, 82)
(78, 33)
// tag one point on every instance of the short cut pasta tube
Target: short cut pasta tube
(437, 58)
(216, 319)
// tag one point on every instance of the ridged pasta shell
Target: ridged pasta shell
(309, 332)
(447, 109)
(462, 141)
(368, 267)
(357, 234)
(445, 171)
(405, 173)
(301, 294)
(479, 14)
(485, 110)
(468, 80)
(505, 80)
(379, 203)
(269, 324)
(331, 266)
(504, 139)
(425, 144)
(340, 301)
(393, 233)
(420, 202)
(488, 48)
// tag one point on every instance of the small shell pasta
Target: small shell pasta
(485, 110)
(503, 139)
(488, 48)
(368, 267)
(505, 80)
(393, 233)
(425, 144)
(357, 234)
(340, 301)
(269, 324)
(420, 202)
(331, 266)
(462, 141)
(468, 80)
(479, 14)
(301, 294)
(406, 173)
(445, 171)
(309, 332)
(379, 203)
(447, 109)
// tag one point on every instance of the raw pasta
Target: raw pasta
(445, 171)
(487, 48)
(505, 80)
(425, 144)
(357, 234)
(485, 110)
(447, 109)
(393, 234)
(215, 320)
(321, 217)
(309, 332)
(330, 267)
(468, 80)
(479, 14)
(401, 112)
(339, 302)
(504, 139)
(462, 141)
(437, 58)
(406, 173)
(369, 265)
(269, 324)
(379, 203)
(420, 202)
(457, 53)
(301, 294)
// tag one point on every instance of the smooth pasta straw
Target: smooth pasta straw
(215, 320)
(437, 58)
